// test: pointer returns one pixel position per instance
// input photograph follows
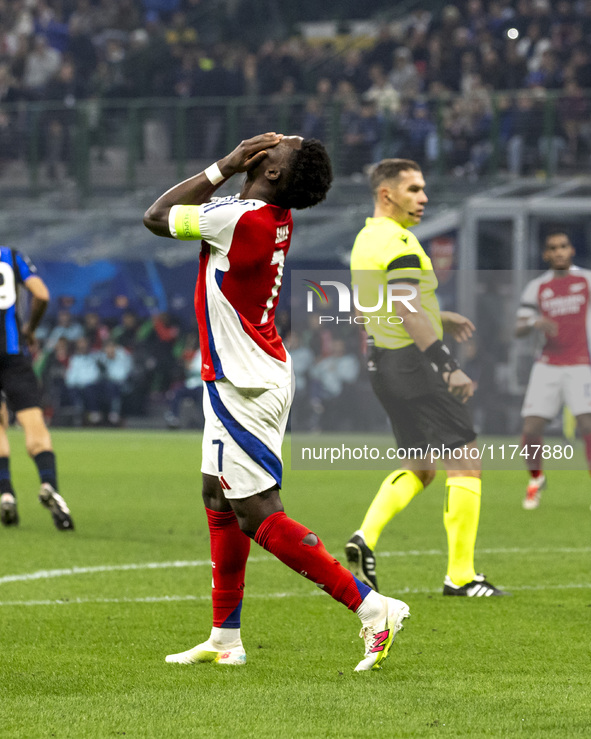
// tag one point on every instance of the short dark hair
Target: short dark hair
(389, 169)
(555, 232)
(308, 177)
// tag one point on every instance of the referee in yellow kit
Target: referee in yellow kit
(417, 381)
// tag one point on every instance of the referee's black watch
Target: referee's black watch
(440, 357)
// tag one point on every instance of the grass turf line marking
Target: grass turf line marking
(259, 596)
(66, 572)
(48, 574)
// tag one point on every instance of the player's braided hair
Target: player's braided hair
(389, 169)
(308, 177)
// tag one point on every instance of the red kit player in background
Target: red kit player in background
(247, 376)
(557, 304)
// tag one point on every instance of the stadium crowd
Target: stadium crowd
(423, 85)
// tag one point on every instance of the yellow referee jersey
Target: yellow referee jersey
(383, 253)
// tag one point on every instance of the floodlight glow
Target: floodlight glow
(513, 33)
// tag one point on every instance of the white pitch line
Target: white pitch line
(259, 596)
(509, 550)
(48, 574)
(66, 572)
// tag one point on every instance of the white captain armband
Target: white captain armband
(213, 174)
(172, 220)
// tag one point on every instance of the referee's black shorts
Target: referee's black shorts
(18, 382)
(421, 409)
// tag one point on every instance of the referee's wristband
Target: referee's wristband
(214, 174)
(440, 357)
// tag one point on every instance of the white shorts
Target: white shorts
(242, 438)
(552, 386)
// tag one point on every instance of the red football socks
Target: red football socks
(284, 537)
(229, 552)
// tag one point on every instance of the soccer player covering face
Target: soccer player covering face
(19, 385)
(413, 374)
(557, 305)
(247, 376)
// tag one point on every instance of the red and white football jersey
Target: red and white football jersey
(565, 300)
(244, 245)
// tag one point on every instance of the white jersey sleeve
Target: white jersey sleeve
(529, 303)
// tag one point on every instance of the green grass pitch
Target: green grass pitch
(86, 618)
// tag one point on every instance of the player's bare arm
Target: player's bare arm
(456, 325)
(39, 303)
(419, 328)
(200, 188)
(525, 325)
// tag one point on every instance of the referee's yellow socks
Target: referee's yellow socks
(460, 518)
(395, 493)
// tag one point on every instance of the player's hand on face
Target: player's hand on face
(459, 385)
(248, 154)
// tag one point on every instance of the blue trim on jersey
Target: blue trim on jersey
(11, 331)
(23, 267)
(219, 277)
(247, 441)
(217, 365)
(240, 319)
(10, 326)
(230, 200)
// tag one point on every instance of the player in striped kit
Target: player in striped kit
(19, 385)
(557, 304)
(247, 374)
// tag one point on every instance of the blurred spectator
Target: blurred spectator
(126, 333)
(191, 388)
(53, 379)
(526, 126)
(82, 381)
(65, 88)
(159, 335)
(66, 327)
(49, 23)
(574, 111)
(381, 92)
(302, 359)
(178, 32)
(41, 64)
(354, 70)
(9, 89)
(513, 68)
(116, 367)
(420, 142)
(95, 331)
(81, 50)
(360, 127)
(314, 120)
(404, 76)
(329, 379)
(547, 74)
